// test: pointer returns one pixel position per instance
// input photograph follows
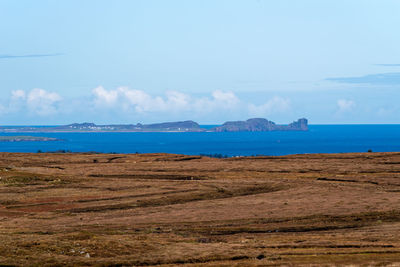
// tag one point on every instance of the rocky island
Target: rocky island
(261, 125)
(250, 125)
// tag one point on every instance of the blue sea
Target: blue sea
(319, 139)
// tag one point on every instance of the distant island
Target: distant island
(26, 138)
(250, 125)
(261, 125)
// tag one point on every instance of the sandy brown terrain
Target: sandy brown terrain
(161, 209)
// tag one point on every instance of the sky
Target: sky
(331, 61)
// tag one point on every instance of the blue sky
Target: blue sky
(331, 61)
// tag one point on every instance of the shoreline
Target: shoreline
(21, 138)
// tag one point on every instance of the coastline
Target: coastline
(27, 139)
(250, 125)
(319, 139)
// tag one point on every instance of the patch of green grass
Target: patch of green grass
(21, 179)
(24, 180)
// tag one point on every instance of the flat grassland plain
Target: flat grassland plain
(166, 209)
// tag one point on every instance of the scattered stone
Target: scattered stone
(204, 240)
(260, 257)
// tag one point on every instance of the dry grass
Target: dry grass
(162, 209)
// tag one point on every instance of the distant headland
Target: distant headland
(261, 125)
(250, 125)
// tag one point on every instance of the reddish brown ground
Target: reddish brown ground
(160, 209)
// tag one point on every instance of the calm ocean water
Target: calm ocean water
(319, 139)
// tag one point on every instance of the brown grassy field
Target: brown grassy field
(164, 209)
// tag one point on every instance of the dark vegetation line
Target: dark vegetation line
(220, 193)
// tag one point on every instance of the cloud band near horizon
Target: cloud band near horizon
(125, 101)
(392, 78)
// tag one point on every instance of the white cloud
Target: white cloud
(140, 100)
(274, 105)
(2, 109)
(104, 97)
(345, 105)
(123, 103)
(127, 99)
(37, 101)
(227, 99)
(18, 94)
(178, 100)
(384, 112)
(173, 101)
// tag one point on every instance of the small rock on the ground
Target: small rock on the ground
(260, 257)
